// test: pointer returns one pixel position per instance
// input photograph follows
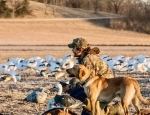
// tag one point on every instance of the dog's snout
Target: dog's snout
(67, 70)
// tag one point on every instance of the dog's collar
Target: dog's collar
(86, 80)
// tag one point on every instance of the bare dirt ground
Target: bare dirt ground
(26, 38)
(12, 95)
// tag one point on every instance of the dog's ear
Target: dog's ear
(81, 73)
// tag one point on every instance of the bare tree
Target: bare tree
(96, 5)
(116, 4)
(14, 3)
(48, 2)
(46, 5)
(54, 3)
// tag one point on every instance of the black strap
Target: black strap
(86, 81)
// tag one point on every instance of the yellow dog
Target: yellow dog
(102, 89)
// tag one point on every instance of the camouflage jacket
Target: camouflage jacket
(99, 68)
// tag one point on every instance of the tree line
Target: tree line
(14, 8)
(137, 12)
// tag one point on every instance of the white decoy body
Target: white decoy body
(67, 62)
(118, 57)
(103, 57)
(141, 58)
(54, 66)
(11, 66)
(65, 101)
(4, 68)
(45, 73)
(48, 58)
(142, 68)
(21, 65)
(11, 75)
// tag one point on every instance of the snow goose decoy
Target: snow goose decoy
(66, 101)
(118, 57)
(11, 75)
(54, 66)
(11, 66)
(141, 58)
(142, 68)
(15, 60)
(48, 58)
(37, 97)
(67, 62)
(103, 57)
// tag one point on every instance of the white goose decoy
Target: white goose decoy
(54, 66)
(125, 59)
(11, 65)
(141, 58)
(38, 97)
(142, 68)
(118, 57)
(45, 73)
(31, 64)
(66, 101)
(110, 62)
(4, 68)
(40, 67)
(67, 62)
(103, 57)
(147, 64)
(35, 58)
(11, 75)
(21, 65)
(48, 58)
(15, 60)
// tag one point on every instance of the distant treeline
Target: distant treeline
(14, 8)
(137, 12)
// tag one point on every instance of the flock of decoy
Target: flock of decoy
(51, 67)
(139, 63)
(47, 67)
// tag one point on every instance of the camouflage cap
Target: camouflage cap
(79, 42)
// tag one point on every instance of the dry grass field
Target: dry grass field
(33, 36)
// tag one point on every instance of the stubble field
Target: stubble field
(26, 39)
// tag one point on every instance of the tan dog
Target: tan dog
(103, 89)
